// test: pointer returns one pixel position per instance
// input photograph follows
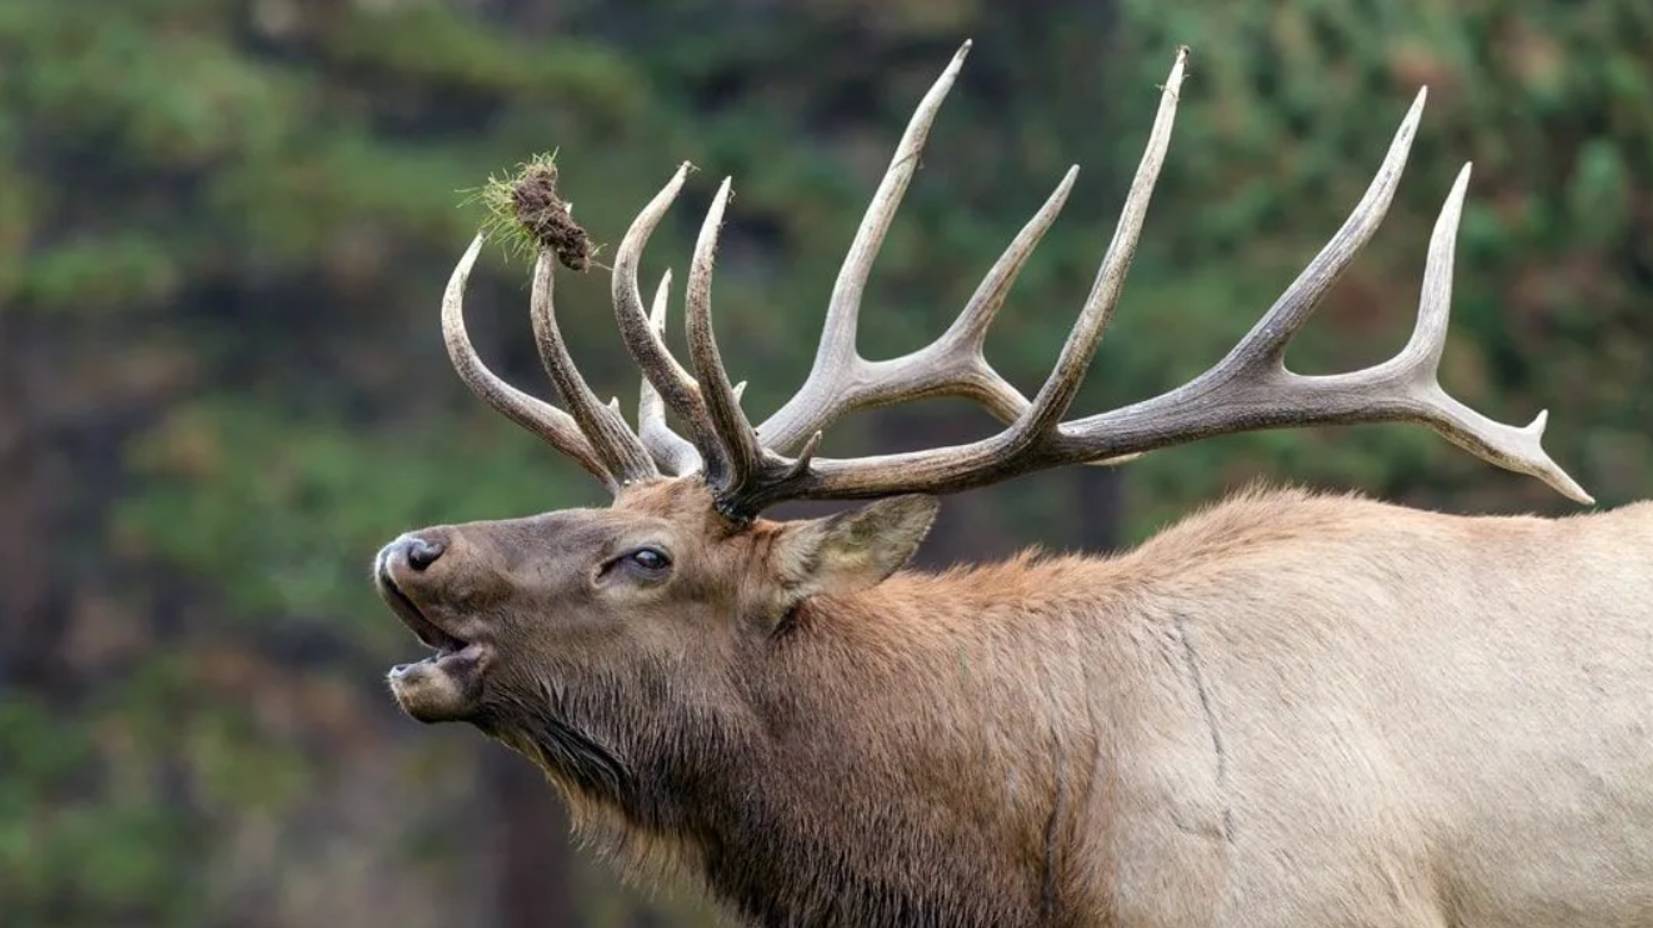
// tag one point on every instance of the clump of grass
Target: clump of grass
(525, 213)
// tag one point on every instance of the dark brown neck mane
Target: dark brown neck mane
(906, 757)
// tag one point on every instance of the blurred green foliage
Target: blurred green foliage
(224, 225)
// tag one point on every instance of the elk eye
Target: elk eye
(652, 560)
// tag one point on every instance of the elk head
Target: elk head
(596, 638)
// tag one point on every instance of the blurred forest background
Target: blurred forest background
(225, 226)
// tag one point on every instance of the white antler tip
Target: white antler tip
(1545, 469)
(1172, 88)
(461, 274)
(471, 251)
(946, 79)
(1567, 486)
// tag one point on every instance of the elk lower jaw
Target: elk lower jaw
(447, 685)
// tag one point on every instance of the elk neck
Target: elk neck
(919, 742)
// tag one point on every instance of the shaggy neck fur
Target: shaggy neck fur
(904, 756)
(916, 769)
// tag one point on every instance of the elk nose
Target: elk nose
(421, 552)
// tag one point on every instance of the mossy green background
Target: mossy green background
(225, 225)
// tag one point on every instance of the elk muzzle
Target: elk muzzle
(446, 686)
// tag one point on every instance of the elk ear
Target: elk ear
(851, 550)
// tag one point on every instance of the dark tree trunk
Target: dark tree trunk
(24, 536)
(530, 847)
(1100, 507)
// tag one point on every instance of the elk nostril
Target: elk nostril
(421, 553)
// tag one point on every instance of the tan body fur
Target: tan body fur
(1286, 711)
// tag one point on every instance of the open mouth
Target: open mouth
(450, 649)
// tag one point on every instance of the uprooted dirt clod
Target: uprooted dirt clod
(546, 216)
(527, 211)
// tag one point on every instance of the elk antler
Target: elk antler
(537, 416)
(1248, 389)
(671, 451)
(616, 444)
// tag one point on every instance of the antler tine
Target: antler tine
(954, 364)
(1266, 342)
(1053, 399)
(672, 452)
(964, 343)
(836, 359)
(676, 388)
(1509, 447)
(547, 421)
(845, 304)
(739, 441)
(610, 436)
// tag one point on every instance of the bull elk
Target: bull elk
(1291, 709)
